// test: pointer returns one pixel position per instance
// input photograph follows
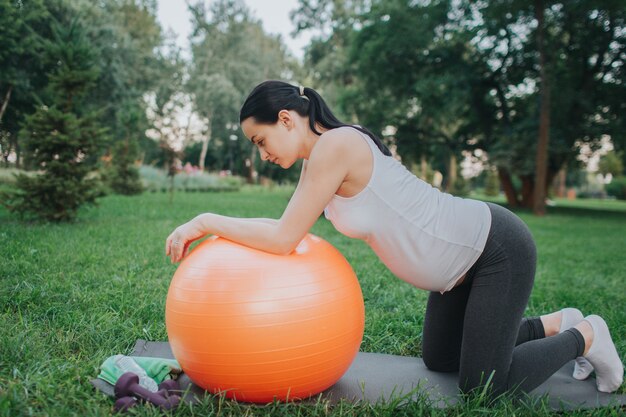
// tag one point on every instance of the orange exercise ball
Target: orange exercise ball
(257, 327)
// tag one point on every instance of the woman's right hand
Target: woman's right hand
(178, 242)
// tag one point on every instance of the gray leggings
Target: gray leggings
(475, 328)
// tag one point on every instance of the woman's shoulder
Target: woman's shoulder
(342, 137)
(340, 145)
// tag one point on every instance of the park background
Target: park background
(111, 135)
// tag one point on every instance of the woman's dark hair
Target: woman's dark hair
(270, 97)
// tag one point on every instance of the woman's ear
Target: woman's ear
(285, 118)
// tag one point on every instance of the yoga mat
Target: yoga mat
(376, 377)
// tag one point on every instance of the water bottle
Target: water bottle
(127, 364)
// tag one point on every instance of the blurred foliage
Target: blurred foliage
(492, 183)
(59, 139)
(154, 179)
(611, 163)
(44, 124)
(433, 78)
(122, 175)
(450, 76)
(231, 55)
(617, 188)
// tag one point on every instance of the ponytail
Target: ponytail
(270, 97)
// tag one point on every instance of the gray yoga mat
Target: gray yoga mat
(376, 377)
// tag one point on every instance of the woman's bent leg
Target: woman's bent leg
(443, 329)
(499, 293)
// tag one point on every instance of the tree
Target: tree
(127, 42)
(327, 59)
(122, 176)
(584, 42)
(414, 72)
(486, 59)
(124, 36)
(22, 71)
(166, 104)
(60, 137)
(541, 163)
(231, 54)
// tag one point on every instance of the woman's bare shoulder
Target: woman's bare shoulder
(343, 138)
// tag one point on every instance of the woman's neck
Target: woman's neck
(311, 139)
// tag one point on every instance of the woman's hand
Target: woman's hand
(177, 243)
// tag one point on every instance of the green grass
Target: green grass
(72, 295)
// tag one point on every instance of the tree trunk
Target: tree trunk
(18, 154)
(5, 102)
(452, 174)
(205, 147)
(528, 187)
(507, 186)
(5, 157)
(541, 164)
(424, 167)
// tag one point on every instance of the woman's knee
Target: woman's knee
(481, 382)
(488, 384)
(438, 363)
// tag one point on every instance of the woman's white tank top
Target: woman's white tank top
(424, 236)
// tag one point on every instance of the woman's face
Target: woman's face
(277, 143)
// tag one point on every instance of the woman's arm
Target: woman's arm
(326, 169)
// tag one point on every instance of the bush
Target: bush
(124, 180)
(593, 194)
(122, 176)
(50, 197)
(154, 179)
(492, 183)
(460, 188)
(617, 188)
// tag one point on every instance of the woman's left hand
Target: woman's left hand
(177, 243)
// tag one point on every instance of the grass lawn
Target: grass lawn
(72, 295)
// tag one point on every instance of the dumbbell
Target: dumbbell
(128, 386)
(124, 403)
(170, 386)
(166, 388)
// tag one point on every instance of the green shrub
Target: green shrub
(617, 188)
(460, 188)
(492, 183)
(154, 179)
(123, 176)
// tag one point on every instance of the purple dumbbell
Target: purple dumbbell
(128, 386)
(124, 403)
(170, 386)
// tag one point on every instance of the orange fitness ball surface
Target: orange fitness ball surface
(257, 327)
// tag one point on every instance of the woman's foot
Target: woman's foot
(569, 318)
(601, 352)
